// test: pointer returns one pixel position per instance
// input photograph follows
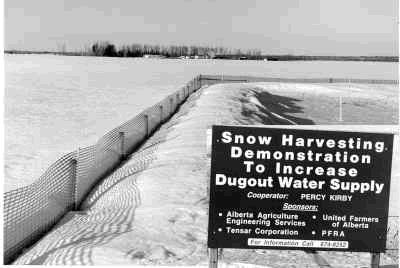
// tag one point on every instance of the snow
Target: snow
(303, 103)
(55, 104)
(158, 214)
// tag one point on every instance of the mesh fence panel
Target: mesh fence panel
(29, 211)
(135, 131)
(171, 105)
(166, 108)
(154, 115)
(85, 164)
(182, 95)
(32, 210)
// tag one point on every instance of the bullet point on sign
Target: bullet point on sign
(314, 217)
(313, 232)
(219, 229)
(220, 214)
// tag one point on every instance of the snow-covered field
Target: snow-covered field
(55, 104)
(153, 209)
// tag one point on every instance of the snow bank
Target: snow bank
(321, 103)
(153, 209)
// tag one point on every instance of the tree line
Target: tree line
(107, 49)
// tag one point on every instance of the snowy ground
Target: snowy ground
(55, 104)
(346, 104)
(153, 209)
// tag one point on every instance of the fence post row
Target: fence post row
(77, 164)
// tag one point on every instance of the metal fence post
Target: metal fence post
(146, 125)
(161, 113)
(171, 103)
(74, 164)
(200, 81)
(122, 144)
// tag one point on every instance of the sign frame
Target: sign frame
(291, 129)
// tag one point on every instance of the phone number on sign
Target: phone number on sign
(297, 243)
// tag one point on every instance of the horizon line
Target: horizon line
(8, 51)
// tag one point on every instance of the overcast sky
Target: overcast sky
(313, 27)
